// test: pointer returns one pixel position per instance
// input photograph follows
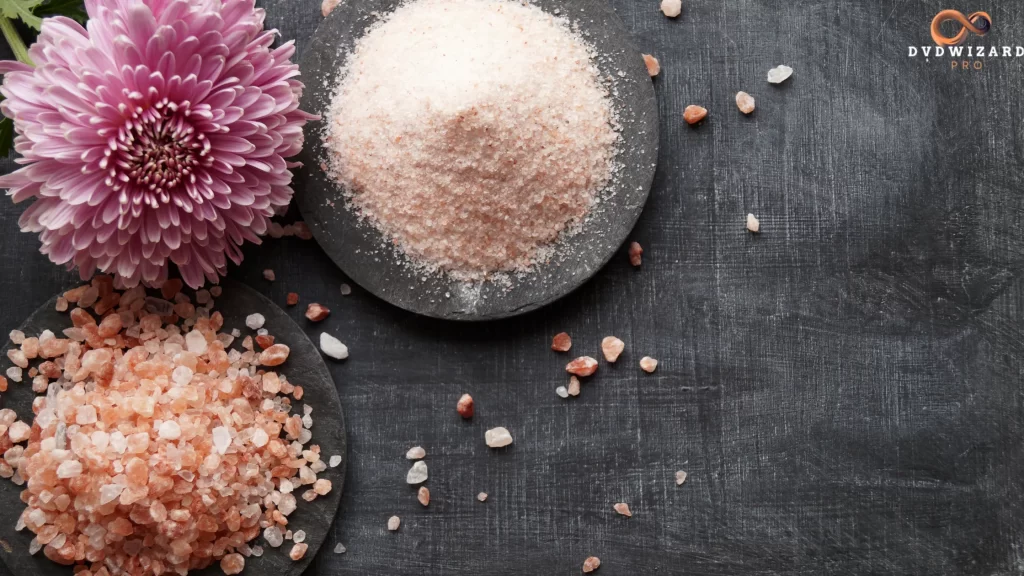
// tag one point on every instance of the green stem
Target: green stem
(15, 41)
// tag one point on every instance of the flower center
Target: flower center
(157, 154)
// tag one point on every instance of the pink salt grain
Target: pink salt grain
(472, 154)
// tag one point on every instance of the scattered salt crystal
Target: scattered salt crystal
(169, 430)
(322, 486)
(623, 509)
(693, 114)
(335, 461)
(671, 8)
(562, 392)
(34, 546)
(255, 321)
(648, 364)
(182, 375)
(221, 439)
(582, 366)
(346, 289)
(235, 332)
(299, 536)
(417, 474)
(423, 495)
(482, 496)
(69, 469)
(612, 347)
(17, 337)
(257, 551)
(745, 102)
(574, 386)
(498, 437)
(307, 421)
(19, 431)
(260, 438)
(273, 536)
(753, 224)
(14, 373)
(680, 477)
(298, 551)
(414, 453)
(394, 522)
(561, 342)
(779, 74)
(653, 66)
(592, 563)
(339, 548)
(195, 343)
(269, 275)
(636, 254)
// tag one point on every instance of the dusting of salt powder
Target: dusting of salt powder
(473, 133)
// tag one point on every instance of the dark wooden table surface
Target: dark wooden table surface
(844, 389)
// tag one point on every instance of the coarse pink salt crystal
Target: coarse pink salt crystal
(612, 348)
(298, 551)
(745, 102)
(582, 366)
(472, 154)
(232, 563)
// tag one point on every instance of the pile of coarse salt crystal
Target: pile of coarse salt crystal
(156, 449)
(472, 133)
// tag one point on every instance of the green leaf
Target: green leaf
(74, 9)
(22, 9)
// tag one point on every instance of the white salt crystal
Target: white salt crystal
(287, 505)
(346, 289)
(779, 74)
(394, 522)
(498, 437)
(260, 438)
(335, 460)
(562, 391)
(221, 439)
(299, 536)
(236, 332)
(414, 453)
(333, 347)
(169, 430)
(69, 469)
(339, 548)
(307, 421)
(285, 487)
(14, 374)
(34, 546)
(86, 415)
(417, 474)
(182, 375)
(680, 478)
(671, 8)
(257, 551)
(110, 492)
(17, 337)
(195, 343)
(118, 442)
(255, 321)
(318, 466)
(753, 224)
(273, 536)
(305, 435)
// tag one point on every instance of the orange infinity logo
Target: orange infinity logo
(979, 23)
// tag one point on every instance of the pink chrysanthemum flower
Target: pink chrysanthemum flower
(158, 134)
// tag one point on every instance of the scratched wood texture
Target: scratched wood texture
(844, 389)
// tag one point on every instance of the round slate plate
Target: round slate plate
(304, 366)
(361, 251)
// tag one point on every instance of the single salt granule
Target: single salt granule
(232, 563)
(779, 74)
(299, 536)
(17, 337)
(339, 548)
(482, 497)
(14, 374)
(298, 551)
(316, 312)
(423, 495)
(648, 364)
(636, 253)
(346, 289)
(415, 453)
(394, 522)
(498, 437)
(255, 321)
(465, 406)
(653, 66)
(582, 366)
(335, 461)
(753, 224)
(417, 474)
(745, 102)
(612, 348)
(671, 8)
(333, 347)
(292, 299)
(562, 392)
(327, 6)
(694, 114)
(561, 342)
(592, 563)
(623, 509)
(680, 477)
(269, 275)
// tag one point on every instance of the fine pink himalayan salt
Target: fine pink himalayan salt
(472, 133)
